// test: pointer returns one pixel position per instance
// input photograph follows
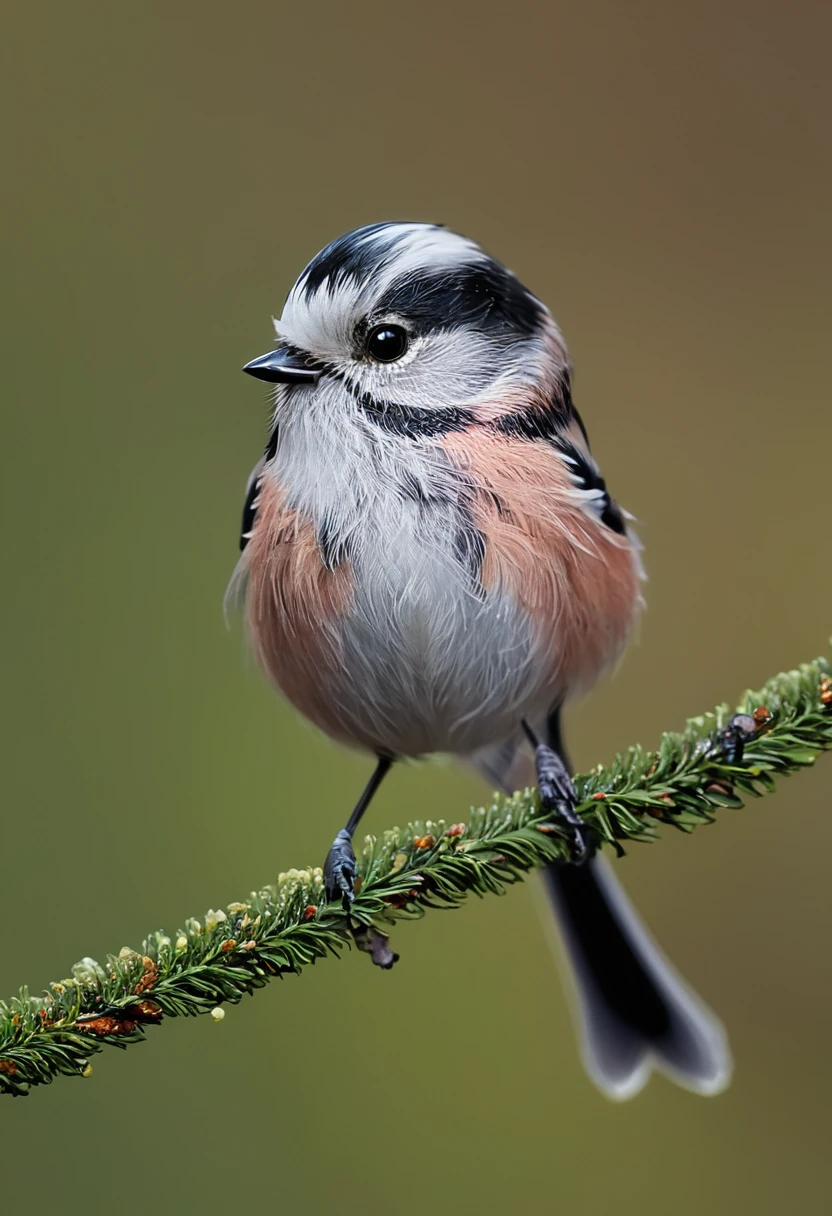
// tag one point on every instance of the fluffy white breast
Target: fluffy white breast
(428, 662)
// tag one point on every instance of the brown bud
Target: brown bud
(145, 1011)
(102, 1026)
(151, 974)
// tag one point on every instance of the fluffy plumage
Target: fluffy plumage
(430, 553)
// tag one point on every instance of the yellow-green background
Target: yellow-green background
(659, 173)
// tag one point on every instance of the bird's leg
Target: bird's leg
(339, 867)
(557, 794)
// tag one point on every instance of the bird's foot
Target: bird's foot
(339, 870)
(377, 944)
(558, 795)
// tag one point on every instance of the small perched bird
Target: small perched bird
(431, 562)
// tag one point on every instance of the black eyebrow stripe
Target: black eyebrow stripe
(479, 294)
(357, 254)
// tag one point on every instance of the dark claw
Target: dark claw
(558, 795)
(732, 740)
(377, 944)
(339, 869)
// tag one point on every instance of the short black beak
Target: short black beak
(282, 367)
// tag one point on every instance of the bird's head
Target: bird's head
(400, 317)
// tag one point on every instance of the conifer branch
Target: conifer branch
(718, 760)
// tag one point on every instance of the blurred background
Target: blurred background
(659, 174)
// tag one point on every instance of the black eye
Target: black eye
(386, 343)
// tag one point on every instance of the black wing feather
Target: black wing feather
(253, 485)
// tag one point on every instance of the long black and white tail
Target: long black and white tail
(636, 1013)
